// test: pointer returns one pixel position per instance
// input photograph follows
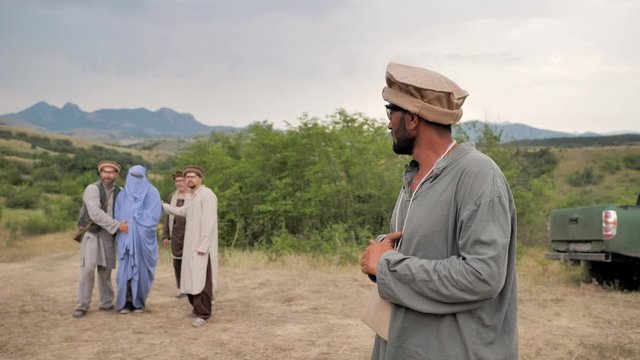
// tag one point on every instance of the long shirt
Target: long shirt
(99, 249)
(452, 281)
(201, 235)
(174, 227)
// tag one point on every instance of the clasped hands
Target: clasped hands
(373, 252)
(123, 227)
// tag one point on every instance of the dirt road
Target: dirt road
(269, 310)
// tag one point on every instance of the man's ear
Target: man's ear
(412, 121)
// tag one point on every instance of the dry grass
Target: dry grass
(22, 146)
(152, 156)
(17, 250)
(297, 307)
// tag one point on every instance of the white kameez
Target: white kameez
(201, 235)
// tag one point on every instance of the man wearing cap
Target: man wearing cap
(448, 264)
(97, 248)
(198, 276)
(174, 226)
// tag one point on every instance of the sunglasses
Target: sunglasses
(391, 108)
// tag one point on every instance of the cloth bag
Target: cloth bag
(78, 234)
(377, 314)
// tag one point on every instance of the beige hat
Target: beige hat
(177, 174)
(426, 93)
(194, 169)
(109, 163)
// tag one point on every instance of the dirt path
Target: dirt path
(274, 311)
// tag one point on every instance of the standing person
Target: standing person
(448, 266)
(140, 205)
(198, 277)
(174, 226)
(97, 247)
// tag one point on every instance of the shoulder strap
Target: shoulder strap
(103, 196)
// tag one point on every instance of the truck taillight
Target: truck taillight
(609, 224)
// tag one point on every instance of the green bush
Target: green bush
(39, 223)
(24, 198)
(632, 161)
(587, 176)
(612, 166)
(336, 242)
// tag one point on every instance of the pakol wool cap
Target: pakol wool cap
(430, 95)
(177, 174)
(109, 163)
(194, 169)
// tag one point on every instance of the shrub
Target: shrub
(39, 223)
(24, 198)
(586, 177)
(632, 161)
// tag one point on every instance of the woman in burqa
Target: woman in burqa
(141, 207)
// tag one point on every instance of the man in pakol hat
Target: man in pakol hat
(448, 265)
(174, 226)
(97, 247)
(198, 276)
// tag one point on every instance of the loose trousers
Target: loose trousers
(202, 302)
(177, 267)
(85, 288)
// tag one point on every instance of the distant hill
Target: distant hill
(111, 124)
(583, 141)
(131, 125)
(515, 132)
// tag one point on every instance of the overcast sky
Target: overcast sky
(571, 65)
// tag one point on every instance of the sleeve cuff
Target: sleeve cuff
(382, 272)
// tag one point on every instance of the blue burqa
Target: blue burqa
(140, 206)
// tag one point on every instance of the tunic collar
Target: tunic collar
(454, 155)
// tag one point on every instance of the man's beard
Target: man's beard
(403, 144)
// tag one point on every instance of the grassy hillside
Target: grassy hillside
(152, 151)
(42, 176)
(615, 175)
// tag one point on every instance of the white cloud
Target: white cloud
(567, 65)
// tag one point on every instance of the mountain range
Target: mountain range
(124, 124)
(111, 124)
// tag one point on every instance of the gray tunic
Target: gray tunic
(453, 279)
(99, 249)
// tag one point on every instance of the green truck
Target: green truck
(603, 238)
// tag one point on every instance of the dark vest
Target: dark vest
(83, 217)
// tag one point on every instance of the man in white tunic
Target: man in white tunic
(97, 248)
(198, 276)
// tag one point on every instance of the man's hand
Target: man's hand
(201, 253)
(165, 242)
(123, 227)
(372, 254)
